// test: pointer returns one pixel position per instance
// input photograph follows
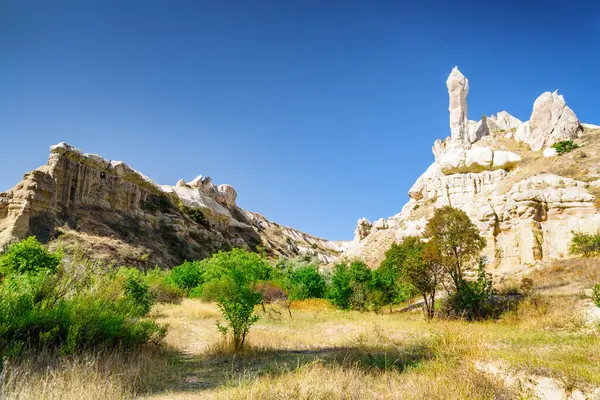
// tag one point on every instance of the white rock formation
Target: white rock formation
(524, 214)
(458, 89)
(551, 121)
(504, 121)
(550, 152)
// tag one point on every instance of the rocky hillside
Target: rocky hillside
(108, 210)
(525, 198)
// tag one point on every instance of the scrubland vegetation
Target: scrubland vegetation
(426, 324)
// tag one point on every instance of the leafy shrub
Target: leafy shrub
(188, 275)
(162, 287)
(196, 215)
(222, 263)
(28, 255)
(351, 286)
(477, 299)
(596, 295)
(340, 289)
(306, 283)
(236, 300)
(565, 146)
(72, 307)
(585, 244)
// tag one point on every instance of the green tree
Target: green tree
(453, 243)
(407, 258)
(188, 275)
(237, 301)
(361, 282)
(340, 289)
(306, 283)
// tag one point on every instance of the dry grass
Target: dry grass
(323, 353)
(581, 164)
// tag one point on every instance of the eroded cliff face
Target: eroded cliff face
(504, 174)
(107, 210)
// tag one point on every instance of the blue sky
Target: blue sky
(317, 112)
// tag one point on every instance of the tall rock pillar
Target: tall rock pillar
(458, 89)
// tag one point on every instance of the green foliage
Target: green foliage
(222, 263)
(585, 244)
(340, 289)
(188, 275)
(453, 243)
(352, 286)
(196, 215)
(306, 283)
(155, 203)
(162, 286)
(475, 300)
(73, 306)
(596, 295)
(406, 259)
(565, 146)
(27, 256)
(238, 293)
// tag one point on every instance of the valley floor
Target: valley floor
(545, 350)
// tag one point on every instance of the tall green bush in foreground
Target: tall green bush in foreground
(48, 303)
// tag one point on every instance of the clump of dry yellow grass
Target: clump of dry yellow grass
(100, 375)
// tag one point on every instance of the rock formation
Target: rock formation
(110, 211)
(525, 203)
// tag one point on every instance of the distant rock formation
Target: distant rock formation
(525, 204)
(110, 211)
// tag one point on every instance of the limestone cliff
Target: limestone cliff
(504, 174)
(110, 211)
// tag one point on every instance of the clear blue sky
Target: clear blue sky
(317, 112)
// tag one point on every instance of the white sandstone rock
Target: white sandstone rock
(180, 183)
(229, 194)
(505, 159)
(458, 89)
(479, 158)
(551, 121)
(363, 228)
(505, 121)
(550, 152)
(380, 224)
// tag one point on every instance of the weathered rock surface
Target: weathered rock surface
(111, 211)
(551, 121)
(517, 197)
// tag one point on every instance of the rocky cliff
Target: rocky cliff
(525, 199)
(108, 210)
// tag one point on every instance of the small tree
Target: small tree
(306, 282)
(424, 276)
(361, 280)
(453, 243)
(237, 302)
(340, 289)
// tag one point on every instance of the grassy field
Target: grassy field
(323, 353)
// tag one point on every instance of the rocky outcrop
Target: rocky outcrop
(525, 213)
(111, 211)
(551, 121)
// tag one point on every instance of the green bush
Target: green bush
(476, 300)
(340, 289)
(162, 287)
(28, 255)
(234, 278)
(565, 146)
(351, 287)
(306, 283)
(585, 244)
(222, 263)
(596, 295)
(72, 307)
(188, 275)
